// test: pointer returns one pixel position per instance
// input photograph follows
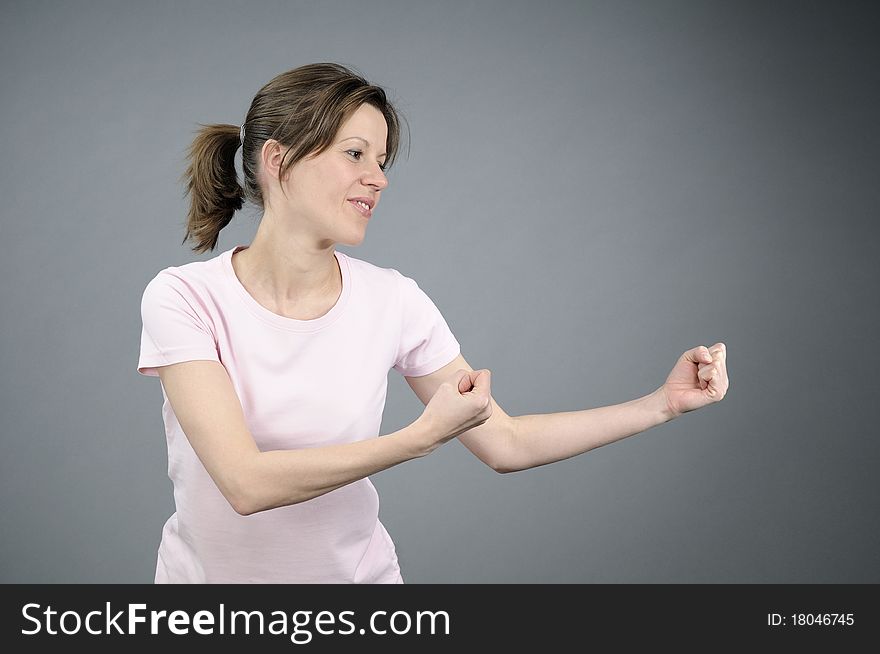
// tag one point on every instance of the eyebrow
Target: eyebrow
(358, 138)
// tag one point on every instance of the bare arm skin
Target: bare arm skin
(209, 411)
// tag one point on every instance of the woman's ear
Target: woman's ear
(271, 155)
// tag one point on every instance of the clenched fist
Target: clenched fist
(460, 403)
(698, 379)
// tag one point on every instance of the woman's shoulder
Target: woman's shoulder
(194, 282)
(192, 272)
(371, 272)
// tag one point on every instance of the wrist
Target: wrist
(418, 438)
(659, 406)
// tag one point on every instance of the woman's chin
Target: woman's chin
(352, 240)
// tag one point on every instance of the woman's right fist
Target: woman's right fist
(460, 403)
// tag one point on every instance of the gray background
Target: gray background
(591, 189)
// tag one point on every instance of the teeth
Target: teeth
(363, 204)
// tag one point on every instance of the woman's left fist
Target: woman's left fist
(699, 378)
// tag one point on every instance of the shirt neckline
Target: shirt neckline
(283, 322)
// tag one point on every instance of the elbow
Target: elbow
(241, 508)
(247, 497)
(241, 494)
(249, 505)
(506, 458)
(502, 465)
(242, 503)
(502, 469)
(247, 488)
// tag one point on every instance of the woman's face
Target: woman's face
(321, 190)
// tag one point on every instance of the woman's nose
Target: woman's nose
(376, 178)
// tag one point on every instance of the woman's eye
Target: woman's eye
(357, 153)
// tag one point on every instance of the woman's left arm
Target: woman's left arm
(512, 443)
(698, 379)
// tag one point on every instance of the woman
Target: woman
(273, 357)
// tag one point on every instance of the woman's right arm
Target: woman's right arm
(210, 414)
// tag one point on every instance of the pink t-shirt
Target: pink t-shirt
(301, 383)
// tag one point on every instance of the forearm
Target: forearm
(544, 438)
(283, 477)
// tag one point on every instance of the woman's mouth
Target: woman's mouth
(362, 208)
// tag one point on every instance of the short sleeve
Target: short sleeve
(426, 342)
(173, 330)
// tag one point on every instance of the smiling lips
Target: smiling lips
(363, 207)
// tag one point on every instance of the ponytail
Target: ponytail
(210, 181)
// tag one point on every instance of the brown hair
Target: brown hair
(303, 110)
